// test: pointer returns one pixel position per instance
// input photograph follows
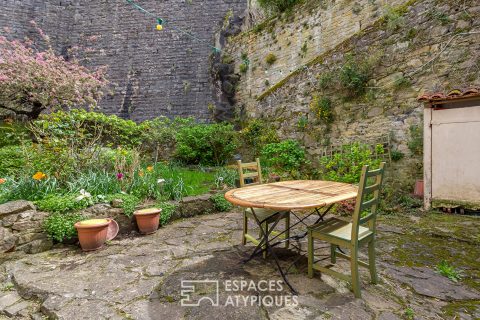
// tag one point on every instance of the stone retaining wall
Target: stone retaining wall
(21, 224)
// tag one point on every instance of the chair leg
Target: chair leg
(287, 231)
(265, 229)
(333, 253)
(245, 228)
(310, 255)
(355, 274)
(371, 261)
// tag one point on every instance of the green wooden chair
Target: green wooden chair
(251, 174)
(351, 235)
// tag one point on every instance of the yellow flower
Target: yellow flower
(150, 168)
(141, 173)
(39, 175)
(159, 27)
(2, 181)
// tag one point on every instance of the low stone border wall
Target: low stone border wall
(21, 224)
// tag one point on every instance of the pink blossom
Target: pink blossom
(119, 176)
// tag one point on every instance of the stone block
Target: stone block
(17, 308)
(8, 299)
(7, 240)
(27, 225)
(15, 207)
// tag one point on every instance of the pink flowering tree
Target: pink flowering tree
(32, 81)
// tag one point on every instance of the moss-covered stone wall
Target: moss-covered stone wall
(365, 65)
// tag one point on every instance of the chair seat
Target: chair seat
(266, 214)
(339, 229)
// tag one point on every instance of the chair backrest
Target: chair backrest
(251, 171)
(368, 199)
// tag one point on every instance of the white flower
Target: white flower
(220, 178)
(83, 194)
(160, 181)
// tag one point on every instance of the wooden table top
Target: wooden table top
(289, 195)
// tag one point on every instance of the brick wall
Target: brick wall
(153, 72)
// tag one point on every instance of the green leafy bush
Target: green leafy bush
(354, 76)
(243, 67)
(270, 58)
(257, 133)
(129, 202)
(415, 141)
(448, 271)
(63, 203)
(168, 209)
(393, 18)
(287, 156)
(278, 5)
(12, 161)
(346, 166)
(322, 108)
(220, 203)
(89, 127)
(206, 144)
(12, 134)
(60, 227)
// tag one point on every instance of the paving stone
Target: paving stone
(16, 309)
(9, 299)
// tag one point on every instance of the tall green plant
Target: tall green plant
(206, 144)
(346, 166)
(285, 156)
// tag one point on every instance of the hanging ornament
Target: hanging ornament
(159, 24)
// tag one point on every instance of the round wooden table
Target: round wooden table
(289, 195)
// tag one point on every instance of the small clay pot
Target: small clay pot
(92, 233)
(419, 188)
(148, 220)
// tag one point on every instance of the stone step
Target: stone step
(8, 299)
(18, 309)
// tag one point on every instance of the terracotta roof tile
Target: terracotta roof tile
(453, 94)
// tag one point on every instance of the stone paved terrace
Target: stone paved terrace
(139, 277)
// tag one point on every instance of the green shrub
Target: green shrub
(346, 166)
(393, 18)
(63, 203)
(220, 203)
(278, 5)
(243, 67)
(86, 126)
(12, 134)
(270, 58)
(396, 155)
(206, 144)
(415, 141)
(286, 156)
(257, 133)
(168, 209)
(60, 227)
(129, 202)
(354, 76)
(325, 80)
(448, 271)
(322, 108)
(12, 161)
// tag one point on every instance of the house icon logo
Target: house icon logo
(196, 292)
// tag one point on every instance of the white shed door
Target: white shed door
(456, 154)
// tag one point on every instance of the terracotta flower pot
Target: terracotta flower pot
(147, 220)
(418, 191)
(92, 233)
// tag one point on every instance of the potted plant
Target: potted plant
(147, 220)
(92, 233)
